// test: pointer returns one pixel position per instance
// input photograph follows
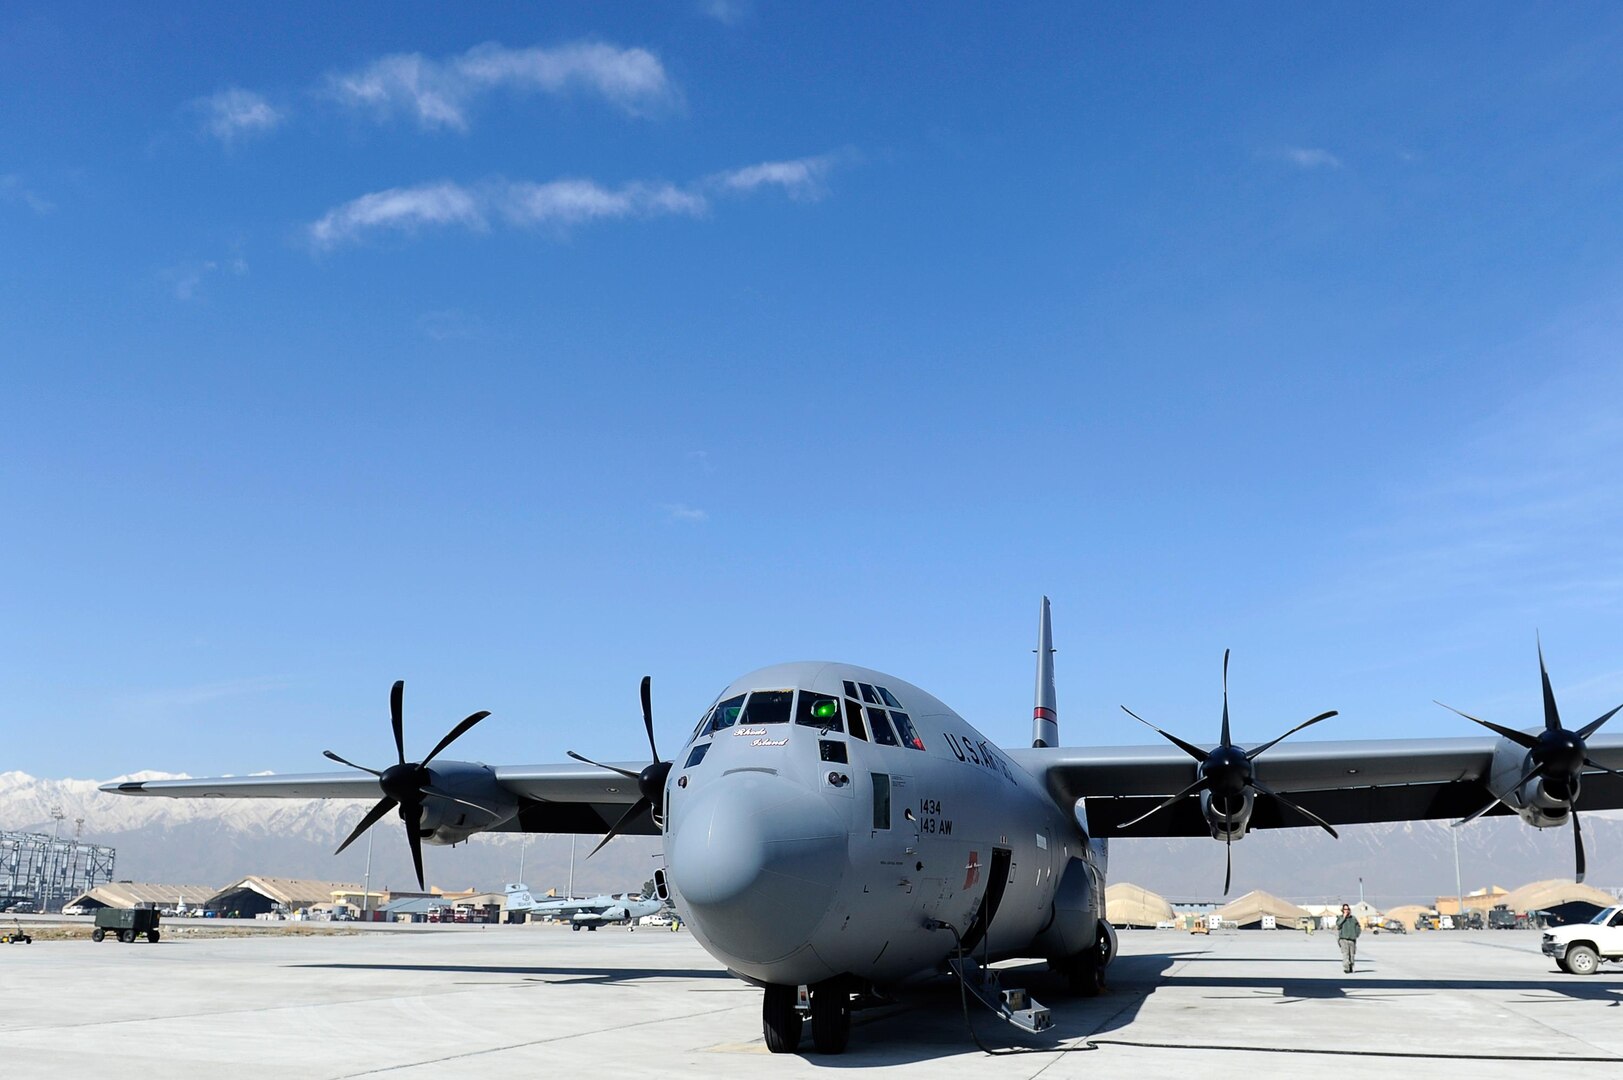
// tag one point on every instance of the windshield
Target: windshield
(1603, 917)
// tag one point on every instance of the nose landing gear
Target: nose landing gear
(783, 1018)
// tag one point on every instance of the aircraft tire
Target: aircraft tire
(1582, 960)
(831, 1020)
(780, 1020)
(1084, 974)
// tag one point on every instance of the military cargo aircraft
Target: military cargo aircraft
(832, 833)
(590, 912)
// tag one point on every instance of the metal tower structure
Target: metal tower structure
(48, 871)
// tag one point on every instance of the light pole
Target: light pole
(571, 866)
(366, 886)
(1459, 893)
(1360, 892)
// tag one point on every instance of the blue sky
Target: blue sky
(520, 351)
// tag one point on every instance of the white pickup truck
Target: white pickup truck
(1581, 947)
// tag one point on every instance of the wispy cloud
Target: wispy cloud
(1307, 157)
(730, 12)
(399, 210)
(556, 204)
(801, 178)
(571, 202)
(187, 279)
(236, 114)
(438, 94)
(682, 512)
(14, 190)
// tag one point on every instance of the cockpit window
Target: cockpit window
(697, 755)
(768, 707)
(724, 715)
(877, 723)
(868, 694)
(853, 714)
(818, 711)
(905, 728)
(890, 698)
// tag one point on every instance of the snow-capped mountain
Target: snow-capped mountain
(220, 840)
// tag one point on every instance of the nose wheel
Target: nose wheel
(780, 1019)
(831, 1020)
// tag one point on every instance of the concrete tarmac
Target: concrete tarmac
(534, 1001)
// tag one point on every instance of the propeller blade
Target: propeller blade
(1225, 702)
(383, 807)
(1304, 811)
(1578, 846)
(1534, 771)
(455, 734)
(427, 789)
(414, 826)
(1520, 738)
(1190, 790)
(600, 765)
(342, 761)
(1293, 731)
(1193, 751)
(648, 714)
(395, 696)
(1228, 861)
(1552, 718)
(636, 808)
(1602, 768)
(1593, 726)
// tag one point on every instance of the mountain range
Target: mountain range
(221, 840)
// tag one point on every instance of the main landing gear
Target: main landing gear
(782, 1019)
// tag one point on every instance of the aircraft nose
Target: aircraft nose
(757, 860)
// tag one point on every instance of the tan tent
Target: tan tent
(1543, 895)
(1408, 913)
(1133, 905)
(1250, 908)
(126, 894)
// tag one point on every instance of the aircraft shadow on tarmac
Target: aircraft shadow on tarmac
(931, 1022)
(541, 974)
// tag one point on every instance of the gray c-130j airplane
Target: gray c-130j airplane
(832, 833)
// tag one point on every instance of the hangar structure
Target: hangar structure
(46, 870)
(255, 895)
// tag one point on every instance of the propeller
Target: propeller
(650, 782)
(406, 784)
(1558, 755)
(1226, 771)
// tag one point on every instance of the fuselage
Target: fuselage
(823, 819)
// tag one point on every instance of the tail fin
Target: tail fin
(519, 898)
(1045, 715)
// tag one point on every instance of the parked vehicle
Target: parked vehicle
(16, 936)
(1502, 918)
(1392, 926)
(1579, 949)
(127, 923)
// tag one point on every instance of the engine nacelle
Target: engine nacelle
(1230, 820)
(477, 802)
(1533, 801)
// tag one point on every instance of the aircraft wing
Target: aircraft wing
(1345, 782)
(567, 797)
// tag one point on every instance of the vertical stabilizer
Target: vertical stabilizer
(1045, 716)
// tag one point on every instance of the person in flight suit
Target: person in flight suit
(1347, 931)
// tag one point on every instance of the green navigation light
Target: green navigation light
(825, 709)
